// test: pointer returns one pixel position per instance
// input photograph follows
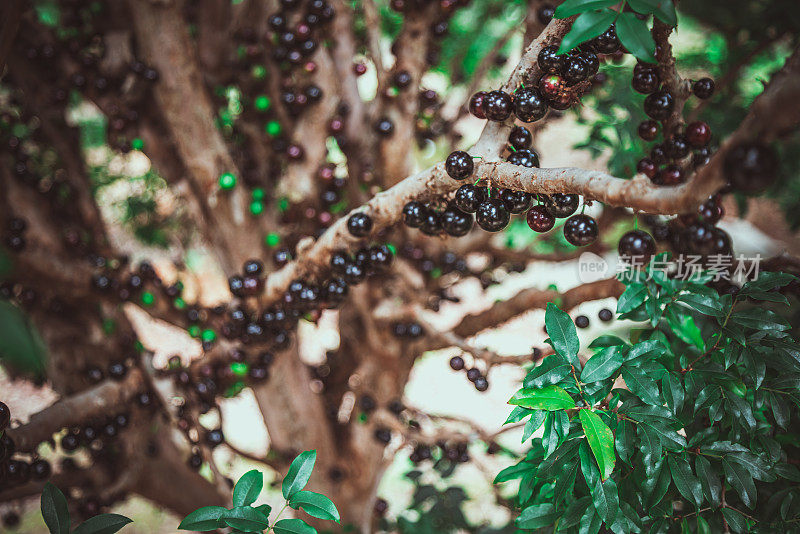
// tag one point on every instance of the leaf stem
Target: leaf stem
(269, 529)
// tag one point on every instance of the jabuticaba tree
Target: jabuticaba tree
(310, 198)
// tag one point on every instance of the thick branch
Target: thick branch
(96, 402)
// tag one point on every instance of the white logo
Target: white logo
(592, 268)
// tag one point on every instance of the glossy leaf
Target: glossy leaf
(55, 511)
(315, 505)
(573, 7)
(688, 485)
(103, 524)
(635, 36)
(587, 26)
(245, 519)
(546, 398)
(602, 365)
(606, 499)
(205, 518)
(293, 526)
(562, 332)
(248, 488)
(601, 441)
(299, 473)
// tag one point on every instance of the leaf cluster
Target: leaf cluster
(688, 424)
(244, 517)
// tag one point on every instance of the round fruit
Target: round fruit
(540, 219)
(645, 79)
(476, 104)
(431, 223)
(468, 198)
(580, 230)
(677, 147)
(698, 134)
(647, 167)
(492, 215)
(582, 321)
(459, 165)
(636, 247)
(498, 105)
(414, 213)
(659, 105)
(711, 211)
(529, 105)
(359, 224)
(605, 315)
(545, 13)
(751, 167)
(520, 137)
(607, 42)
(552, 87)
(457, 363)
(703, 88)
(524, 158)
(550, 61)
(669, 175)
(516, 201)
(648, 130)
(561, 205)
(575, 70)
(455, 222)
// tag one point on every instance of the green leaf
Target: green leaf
(299, 473)
(666, 12)
(736, 520)
(645, 7)
(741, 480)
(635, 36)
(652, 348)
(606, 341)
(55, 511)
(315, 505)
(641, 385)
(562, 332)
(574, 513)
(293, 526)
(606, 499)
(688, 332)
(632, 297)
(601, 441)
(103, 524)
(565, 482)
(587, 26)
(759, 319)
(205, 518)
(533, 424)
(709, 481)
(537, 516)
(547, 398)
(552, 370)
(248, 488)
(705, 304)
(688, 485)
(518, 414)
(573, 7)
(673, 392)
(623, 441)
(602, 365)
(245, 519)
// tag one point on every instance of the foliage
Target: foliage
(244, 517)
(595, 16)
(21, 347)
(437, 505)
(701, 433)
(56, 516)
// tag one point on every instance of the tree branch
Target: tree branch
(92, 403)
